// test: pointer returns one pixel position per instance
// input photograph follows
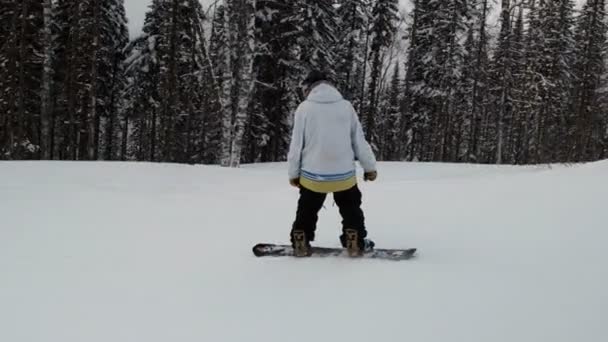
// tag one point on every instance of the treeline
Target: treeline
(219, 85)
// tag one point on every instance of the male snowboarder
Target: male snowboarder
(326, 141)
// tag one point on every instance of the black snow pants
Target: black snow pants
(348, 202)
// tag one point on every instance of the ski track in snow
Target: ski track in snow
(129, 252)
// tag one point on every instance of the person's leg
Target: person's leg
(349, 203)
(307, 215)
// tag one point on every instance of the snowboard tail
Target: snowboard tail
(277, 250)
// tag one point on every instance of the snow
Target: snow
(156, 252)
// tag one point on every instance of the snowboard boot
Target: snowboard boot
(301, 245)
(355, 245)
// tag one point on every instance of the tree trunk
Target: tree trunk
(93, 119)
(21, 112)
(153, 140)
(125, 139)
(370, 125)
(247, 83)
(227, 83)
(475, 118)
(407, 152)
(364, 75)
(110, 127)
(70, 142)
(47, 70)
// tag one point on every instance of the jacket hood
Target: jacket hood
(324, 93)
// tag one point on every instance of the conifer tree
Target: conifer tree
(501, 91)
(167, 68)
(383, 29)
(276, 70)
(354, 16)
(90, 37)
(590, 127)
(21, 48)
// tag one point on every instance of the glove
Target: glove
(295, 182)
(370, 176)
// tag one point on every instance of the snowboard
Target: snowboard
(274, 250)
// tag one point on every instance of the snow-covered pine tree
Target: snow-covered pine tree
(452, 24)
(389, 120)
(533, 80)
(354, 16)
(470, 91)
(276, 70)
(90, 36)
(181, 48)
(362, 66)
(213, 119)
(62, 121)
(589, 137)
(412, 119)
(435, 73)
(20, 78)
(141, 96)
(317, 23)
(558, 58)
(167, 69)
(518, 131)
(195, 78)
(463, 103)
(475, 82)
(501, 101)
(114, 37)
(383, 28)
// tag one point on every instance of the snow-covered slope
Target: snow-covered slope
(119, 252)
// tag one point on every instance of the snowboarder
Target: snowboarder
(326, 141)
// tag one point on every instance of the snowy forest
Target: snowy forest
(438, 82)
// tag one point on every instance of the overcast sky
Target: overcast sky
(136, 12)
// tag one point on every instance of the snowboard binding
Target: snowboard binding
(301, 245)
(353, 245)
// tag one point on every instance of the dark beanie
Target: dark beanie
(315, 76)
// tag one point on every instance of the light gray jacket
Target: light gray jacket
(327, 138)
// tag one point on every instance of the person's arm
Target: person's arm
(362, 149)
(294, 157)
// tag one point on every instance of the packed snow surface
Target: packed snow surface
(128, 252)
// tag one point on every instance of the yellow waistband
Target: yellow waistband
(327, 187)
